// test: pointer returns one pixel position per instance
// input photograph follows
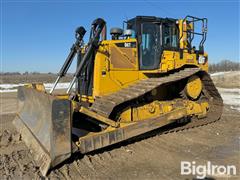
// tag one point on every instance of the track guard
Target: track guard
(45, 125)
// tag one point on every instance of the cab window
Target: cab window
(170, 36)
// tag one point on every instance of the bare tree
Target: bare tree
(224, 65)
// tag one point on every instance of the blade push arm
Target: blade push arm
(80, 32)
(97, 27)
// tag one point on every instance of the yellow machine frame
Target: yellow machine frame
(53, 133)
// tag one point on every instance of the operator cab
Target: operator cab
(154, 35)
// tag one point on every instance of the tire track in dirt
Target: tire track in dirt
(8, 103)
(15, 159)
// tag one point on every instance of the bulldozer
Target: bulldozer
(146, 75)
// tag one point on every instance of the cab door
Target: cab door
(150, 46)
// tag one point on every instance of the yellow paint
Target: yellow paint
(37, 86)
(156, 108)
(94, 115)
(109, 79)
(194, 87)
(116, 67)
(198, 109)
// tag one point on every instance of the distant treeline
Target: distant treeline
(31, 73)
(224, 65)
(25, 73)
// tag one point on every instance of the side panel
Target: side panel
(171, 60)
(116, 66)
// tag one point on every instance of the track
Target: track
(215, 103)
(157, 157)
(105, 105)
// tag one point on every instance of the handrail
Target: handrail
(192, 19)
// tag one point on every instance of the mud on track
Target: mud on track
(157, 157)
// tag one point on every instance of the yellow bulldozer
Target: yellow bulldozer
(146, 75)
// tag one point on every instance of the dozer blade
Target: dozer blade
(45, 125)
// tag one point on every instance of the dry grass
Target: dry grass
(45, 78)
(228, 80)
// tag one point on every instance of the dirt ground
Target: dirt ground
(156, 157)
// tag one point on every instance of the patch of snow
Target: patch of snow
(231, 97)
(220, 73)
(13, 87)
(48, 86)
(8, 90)
(10, 86)
(227, 90)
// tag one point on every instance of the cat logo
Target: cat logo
(127, 45)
